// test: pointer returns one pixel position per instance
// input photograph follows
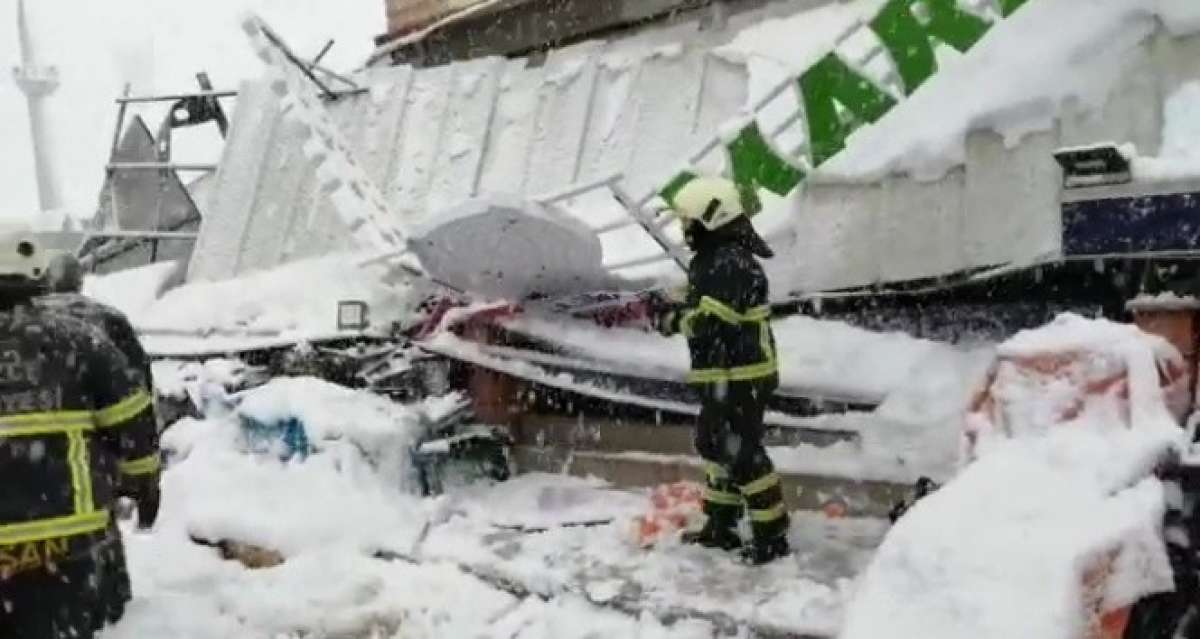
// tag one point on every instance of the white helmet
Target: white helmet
(711, 201)
(22, 254)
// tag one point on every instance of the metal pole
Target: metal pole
(116, 140)
(278, 43)
(110, 174)
(160, 166)
(176, 96)
(317, 60)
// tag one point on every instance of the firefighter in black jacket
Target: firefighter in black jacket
(64, 279)
(76, 424)
(726, 321)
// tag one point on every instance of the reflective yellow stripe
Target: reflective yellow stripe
(726, 313)
(766, 482)
(141, 466)
(50, 423)
(764, 342)
(47, 417)
(685, 323)
(739, 374)
(770, 514)
(742, 373)
(81, 474)
(123, 410)
(53, 528)
(72, 424)
(722, 497)
(715, 472)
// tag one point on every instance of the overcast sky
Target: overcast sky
(158, 46)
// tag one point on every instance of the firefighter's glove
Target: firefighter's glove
(667, 323)
(148, 498)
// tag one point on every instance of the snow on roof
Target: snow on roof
(1013, 82)
(1180, 154)
(295, 301)
(132, 291)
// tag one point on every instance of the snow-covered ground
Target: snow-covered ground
(481, 561)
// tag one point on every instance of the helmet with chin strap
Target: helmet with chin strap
(712, 202)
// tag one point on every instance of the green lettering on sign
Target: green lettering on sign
(673, 187)
(754, 165)
(823, 87)
(1009, 7)
(910, 42)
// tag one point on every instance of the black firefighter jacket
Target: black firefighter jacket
(75, 422)
(726, 318)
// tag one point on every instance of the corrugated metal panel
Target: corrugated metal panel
(567, 97)
(469, 116)
(509, 144)
(242, 162)
(420, 139)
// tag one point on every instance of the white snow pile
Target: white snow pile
(922, 387)
(818, 356)
(353, 490)
(134, 290)
(327, 514)
(1058, 518)
(296, 301)
(1180, 154)
(1015, 81)
(179, 379)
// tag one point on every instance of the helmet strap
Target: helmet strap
(709, 212)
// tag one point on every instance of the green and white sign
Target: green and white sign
(837, 98)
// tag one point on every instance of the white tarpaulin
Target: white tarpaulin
(507, 247)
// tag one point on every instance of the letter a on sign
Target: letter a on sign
(826, 85)
(755, 165)
(910, 42)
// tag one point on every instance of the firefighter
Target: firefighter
(75, 424)
(725, 319)
(64, 279)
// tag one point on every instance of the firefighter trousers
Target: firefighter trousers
(69, 599)
(740, 475)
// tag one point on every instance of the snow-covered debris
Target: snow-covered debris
(383, 432)
(355, 489)
(1058, 519)
(297, 301)
(819, 356)
(134, 290)
(178, 379)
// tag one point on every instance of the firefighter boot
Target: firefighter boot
(768, 518)
(763, 551)
(723, 505)
(713, 535)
